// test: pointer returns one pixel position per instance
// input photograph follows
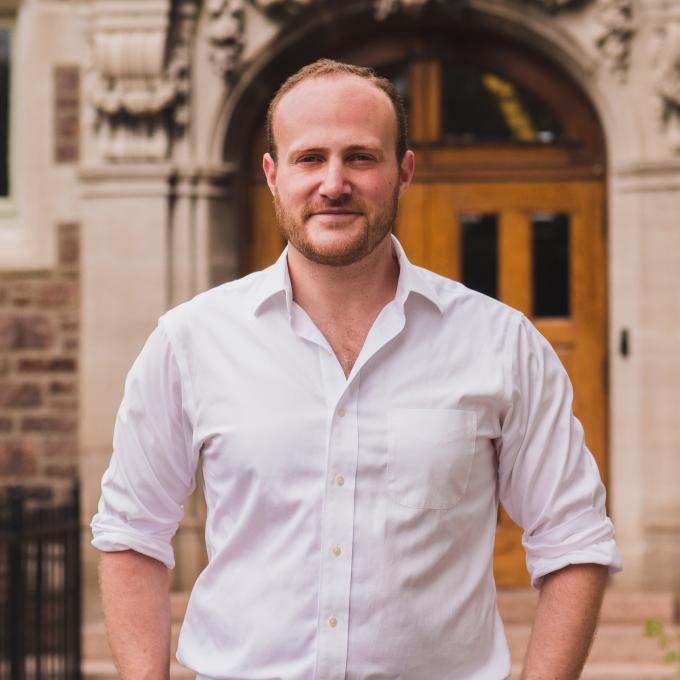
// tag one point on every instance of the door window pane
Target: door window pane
(484, 107)
(4, 110)
(397, 74)
(479, 235)
(550, 239)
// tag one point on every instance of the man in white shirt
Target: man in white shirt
(357, 420)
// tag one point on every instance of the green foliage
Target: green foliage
(669, 644)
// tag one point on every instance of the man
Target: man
(357, 420)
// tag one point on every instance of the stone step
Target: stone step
(620, 643)
(103, 669)
(618, 671)
(619, 606)
(620, 650)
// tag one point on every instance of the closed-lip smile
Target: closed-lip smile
(335, 211)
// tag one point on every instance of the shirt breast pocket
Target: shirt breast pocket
(429, 456)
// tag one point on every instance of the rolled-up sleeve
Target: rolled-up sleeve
(152, 469)
(549, 482)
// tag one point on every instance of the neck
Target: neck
(352, 291)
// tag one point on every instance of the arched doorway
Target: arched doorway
(508, 197)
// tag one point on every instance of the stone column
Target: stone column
(124, 260)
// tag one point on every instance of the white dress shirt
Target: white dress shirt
(351, 520)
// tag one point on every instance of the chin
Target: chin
(334, 257)
(340, 252)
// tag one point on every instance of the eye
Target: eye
(361, 157)
(309, 158)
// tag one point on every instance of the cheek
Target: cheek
(379, 190)
(294, 191)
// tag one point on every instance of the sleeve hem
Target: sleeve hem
(605, 553)
(119, 541)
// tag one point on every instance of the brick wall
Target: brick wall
(39, 331)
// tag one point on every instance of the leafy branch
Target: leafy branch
(669, 643)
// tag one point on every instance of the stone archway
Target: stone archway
(508, 183)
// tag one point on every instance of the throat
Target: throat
(346, 342)
(347, 358)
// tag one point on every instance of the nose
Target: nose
(334, 183)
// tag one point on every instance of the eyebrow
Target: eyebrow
(320, 149)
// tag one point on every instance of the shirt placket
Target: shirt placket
(342, 398)
(338, 520)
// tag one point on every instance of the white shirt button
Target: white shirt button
(341, 412)
(332, 622)
(336, 550)
(339, 480)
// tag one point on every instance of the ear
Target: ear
(406, 169)
(269, 167)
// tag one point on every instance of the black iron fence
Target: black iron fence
(39, 584)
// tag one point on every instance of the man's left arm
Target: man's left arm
(564, 623)
(550, 485)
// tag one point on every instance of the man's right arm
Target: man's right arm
(135, 592)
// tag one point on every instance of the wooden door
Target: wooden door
(435, 225)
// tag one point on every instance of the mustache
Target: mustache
(344, 202)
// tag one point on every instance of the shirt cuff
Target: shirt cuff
(585, 539)
(110, 539)
(605, 553)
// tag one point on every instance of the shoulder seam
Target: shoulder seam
(181, 365)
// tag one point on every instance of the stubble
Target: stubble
(373, 230)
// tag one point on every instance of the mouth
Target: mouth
(335, 212)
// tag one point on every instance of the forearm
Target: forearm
(135, 594)
(564, 623)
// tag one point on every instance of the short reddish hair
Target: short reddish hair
(329, 67)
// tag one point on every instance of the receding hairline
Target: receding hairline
(335, 69)
(335, 76)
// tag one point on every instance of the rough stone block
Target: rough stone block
(17, 457)
(61, 469)
(25, 332)
(66, 449)
(5, 424)
(69, 250)
(20, 395)
(48, 424)
(60, 388)
(8, 333)
(66, 113)
(47, 365)
(70, 344)
(58, 294)
(22, 294)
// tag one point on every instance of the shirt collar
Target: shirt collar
(276, 280)
(413, 279)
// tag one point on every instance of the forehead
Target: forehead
(331, 107)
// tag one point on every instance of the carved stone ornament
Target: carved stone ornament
(558, 5)
(139, 78)
(225, 33)
(383, 8)
(668, 85)
(615, 34)
(290, 6)
(227, 24)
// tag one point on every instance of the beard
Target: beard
(373, 229)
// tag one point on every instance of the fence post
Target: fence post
(15, 497)
(73, 566)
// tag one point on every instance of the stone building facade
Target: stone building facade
(133, 137)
